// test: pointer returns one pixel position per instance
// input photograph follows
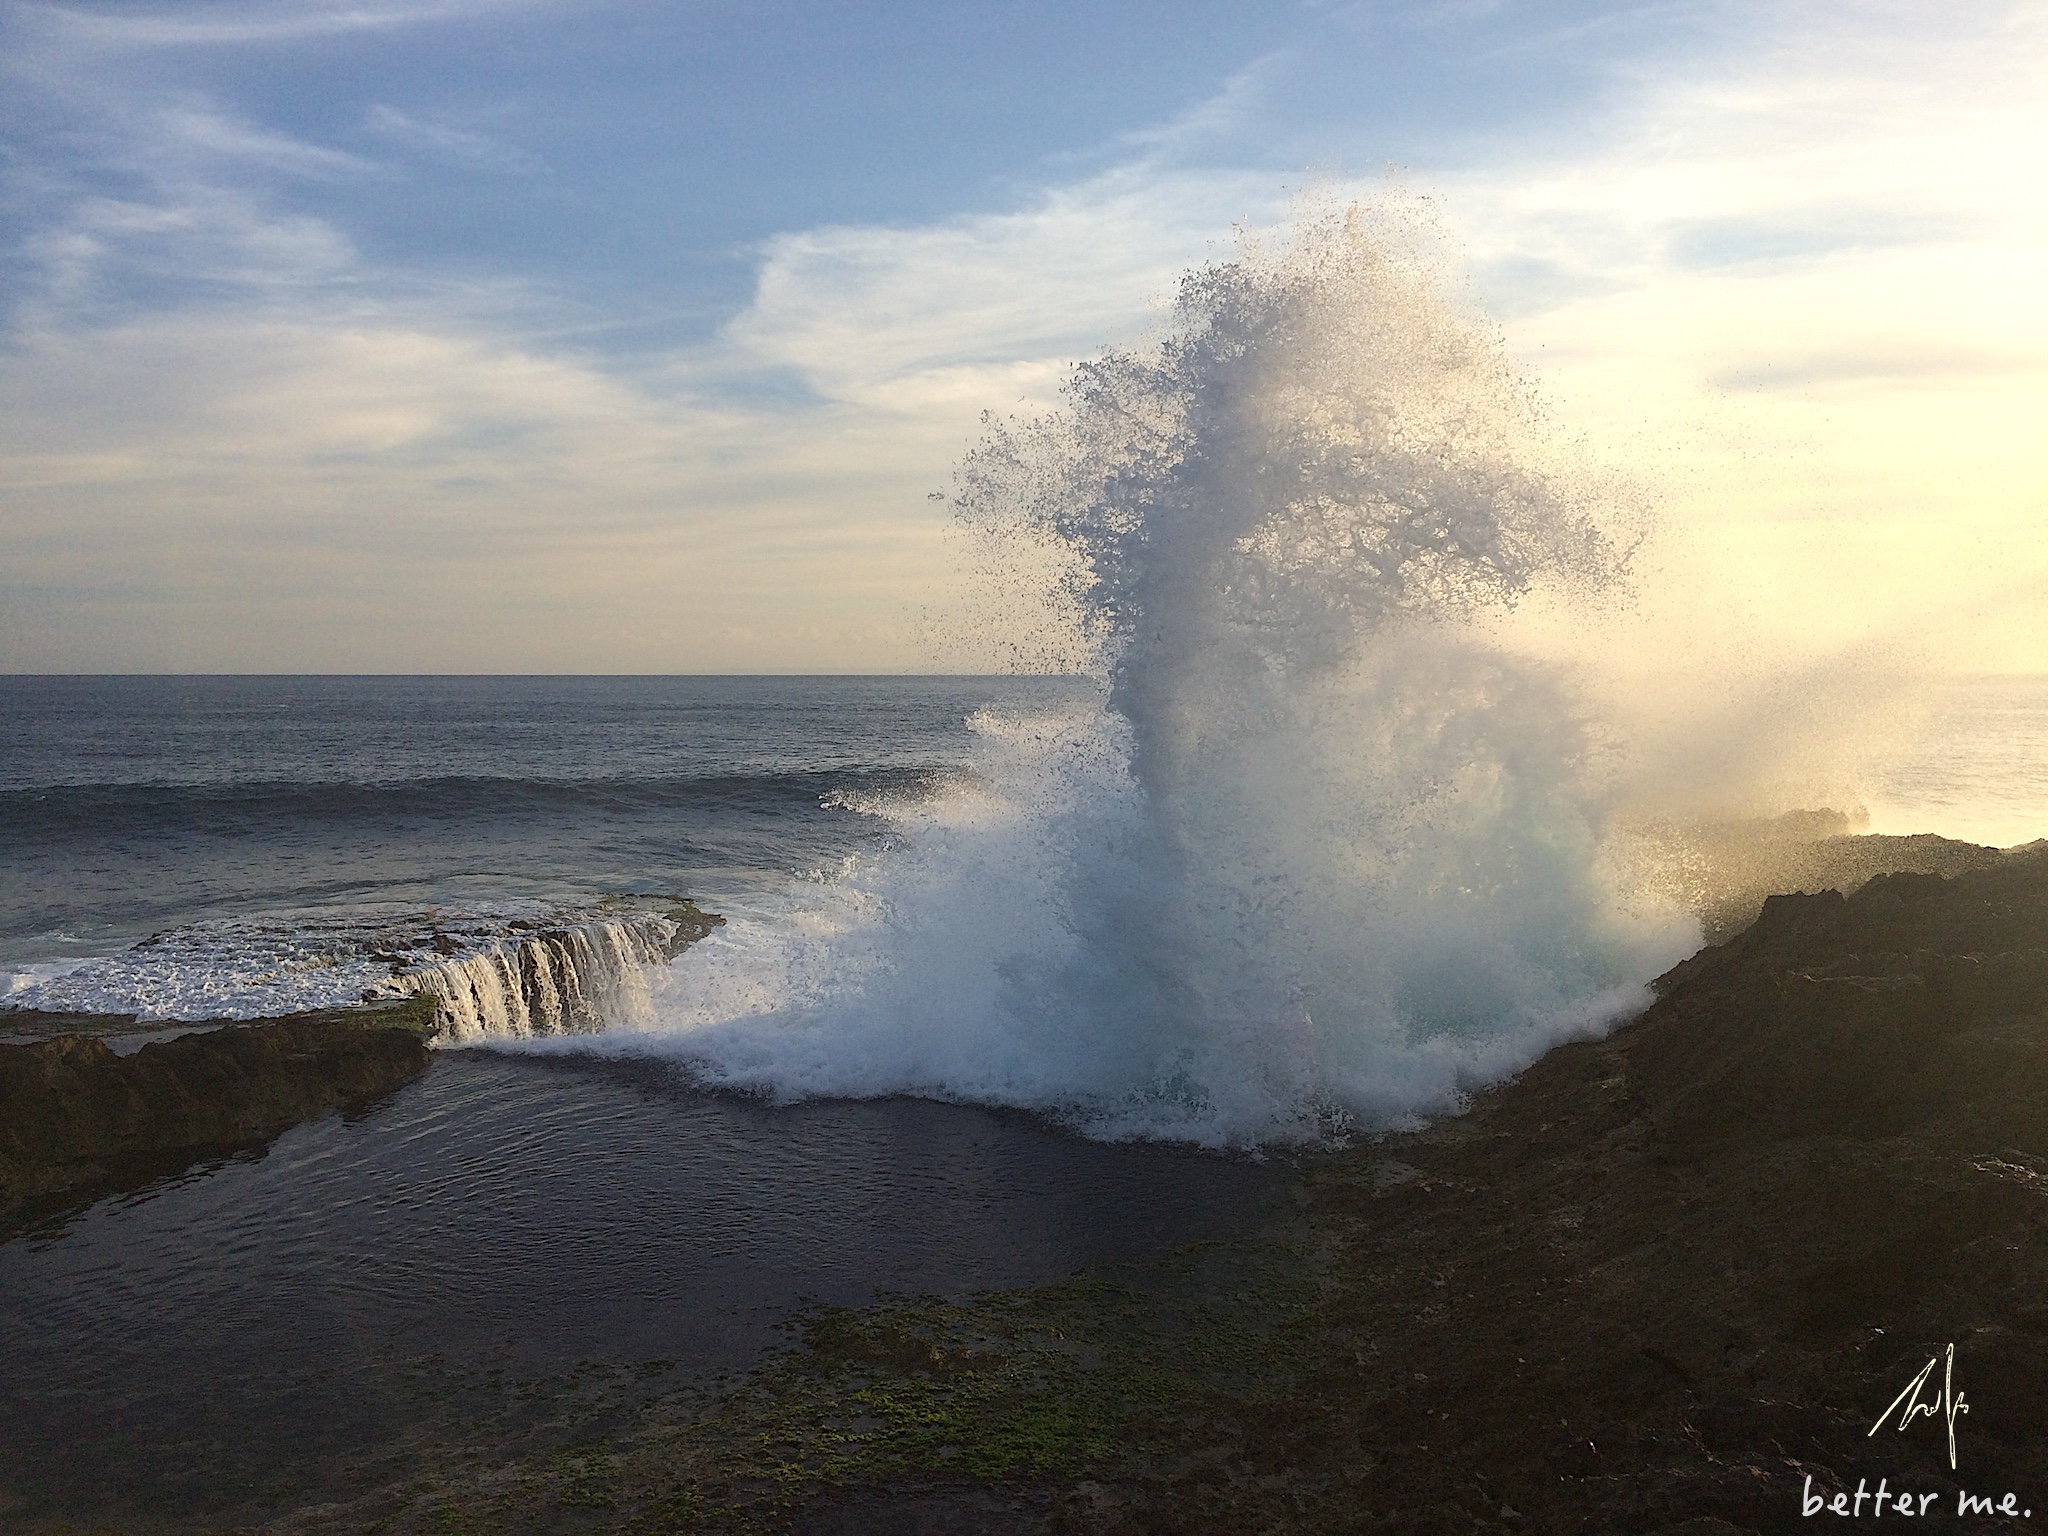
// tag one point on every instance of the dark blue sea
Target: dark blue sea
(242, 810)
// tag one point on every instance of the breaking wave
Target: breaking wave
(1326, 851)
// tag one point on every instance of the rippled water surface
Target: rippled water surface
(269, 1318)
(129, 805)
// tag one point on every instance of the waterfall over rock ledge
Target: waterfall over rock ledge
(573, 979)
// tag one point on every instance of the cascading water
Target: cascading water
(570, 981)
(1326, 853)
(493, 974)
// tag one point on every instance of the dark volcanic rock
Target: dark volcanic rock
(1669, 1276)
(77, 1120)
(1864, 1017)
(1726, 872)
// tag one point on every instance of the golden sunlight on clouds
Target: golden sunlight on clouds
(1837, 454)
(1822, 331)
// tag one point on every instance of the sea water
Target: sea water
(269, 834)
(218, 846)
(1317, 843)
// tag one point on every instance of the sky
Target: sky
(524, 336)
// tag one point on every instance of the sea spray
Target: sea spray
(1324, 853)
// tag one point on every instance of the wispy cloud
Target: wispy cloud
(859, 310)
(192, 26)
(1796, 282)
(199, 237)
(1904, 361)
(193, 217)
(192, 128)
(445, 140)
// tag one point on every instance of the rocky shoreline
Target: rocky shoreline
(78, 1120)
(84, 1114)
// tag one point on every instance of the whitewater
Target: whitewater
(1324, 852)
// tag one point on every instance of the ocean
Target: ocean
(247, 823)
(186, 848)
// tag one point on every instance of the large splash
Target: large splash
(1324, 853)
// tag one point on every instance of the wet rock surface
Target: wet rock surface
(1673, 1275)
(78, 1120)
(1665, 1282)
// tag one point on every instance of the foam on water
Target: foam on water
(1324, 852)
(519, 970)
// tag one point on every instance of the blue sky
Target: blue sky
(510, 335)
(630, 159)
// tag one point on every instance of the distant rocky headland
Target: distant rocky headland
(1724, 871)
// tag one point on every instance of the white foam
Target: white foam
(1031, 942)
(574, 979)
(207, 971)
(26, 981)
